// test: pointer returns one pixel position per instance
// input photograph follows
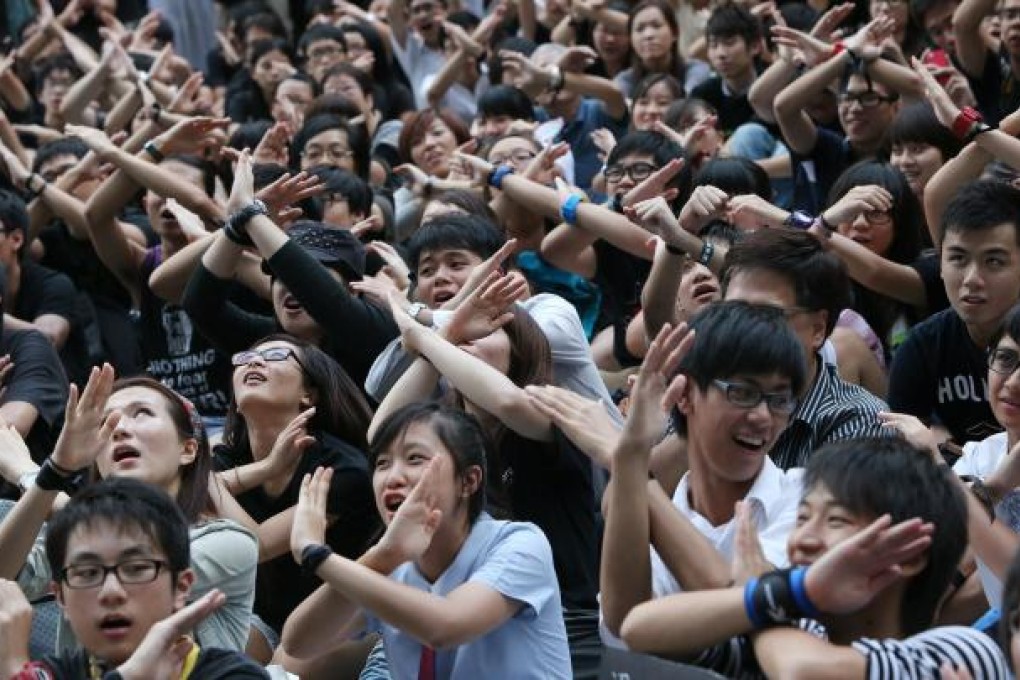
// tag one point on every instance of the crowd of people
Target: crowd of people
(510, 338)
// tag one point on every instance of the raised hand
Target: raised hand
(282, 195)
(376, 288)
(705, 204)
(748, 557)
(656, 216)
(309, 525)
(577, 58)
(481, 273)
(860, 199)
(847, 577)
(650, 393)
(191, 224)
(813, 48)
(87, 428)
(272, 148)
(751, 211)
(479, 168)
(192, 135)
(410, 532)
(585, 422)
(487, 309)
(945, 109)
(395, 268)
(417, 180)
(410, 330)
(655, 184)
(242, 193)
(290, 444)
(95, 139)
(825, 28)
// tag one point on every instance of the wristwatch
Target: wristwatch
(415, 309)
(798, 219)
(27, 480)
(235, 228)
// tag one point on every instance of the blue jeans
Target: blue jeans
(754, 141)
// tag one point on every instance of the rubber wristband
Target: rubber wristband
(799, 589)
(497, 176)
(153, 150)
(757, 620)
(836, 49)
(313, 556)
(568, 211)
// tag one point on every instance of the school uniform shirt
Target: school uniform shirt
(210, 664)
(418, 62)
(591, 115)
(938, 374)
(514, 559)
(831, 411)
(914, 658)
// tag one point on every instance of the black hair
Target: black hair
(332, 105)
(513, 43)
(917, 123)
(505, 100)
(459, 432)
(267, 173)
(735, 175)
(61, 61)
(652, 79)
(872, 477)
(737, 338)
(730, 20)
(318, 32)
(302, 77)
(818, 278)
(14, 217)
(472, 233)
(267, 20)
(348, 186)
(799, 15)
(1010, 328)
(662, 149)
(261, 48)
(125, 504)
(982, 205)
(1010, 603)
(677, 67)
(682, 113)
(340, 407)
(62, 146)
(345, 68)
(248, 135)
(468, 201)
(356, 140)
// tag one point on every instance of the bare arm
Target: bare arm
(898, 281)
(971, 48)
(947, 180)
(767, 87)
(416, 384)
(658, 297)
(20, 528)
(56, 328)
(84, 91)
(693, 561)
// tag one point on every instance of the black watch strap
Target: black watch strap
(49, 479)
(236, 225)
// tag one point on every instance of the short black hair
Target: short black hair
(662, 149)
(505, 100)
(248, 135)
(61, 61)
(264, 46)
(267, 20)
(467, 201)
(1010, 328)
(123, 503)
(349, 186)
(13, 212)
(872, 477)
(819, 278)
(917, 123)
(62, 146)
(738, 338)
(346, 68)
(735, 175)
(317, 32)
(982, 205)
(730, 20)
(454, 231)
(356, 140)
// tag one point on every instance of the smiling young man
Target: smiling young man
(736, 388)
(939, 372)
(120, 553)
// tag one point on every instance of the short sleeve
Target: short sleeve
(922, 655)
(911, 384)
(224, 556)
(35, 576)
(38, 377)
(520, 566)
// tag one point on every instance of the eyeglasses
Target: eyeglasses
(128, 572)
(868, 99)
(520, 156)
(324, 52)
(878, 217)
(637, 172)
(1003, 361)
(423, 8)
(317, 153)
(746, 395)
(269, 354)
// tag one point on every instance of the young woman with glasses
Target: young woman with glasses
(138, 428)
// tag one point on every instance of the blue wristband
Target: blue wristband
(800, 596)
(756, 619)
(497, 176)
(568, 211)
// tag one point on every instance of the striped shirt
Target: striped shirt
(918, 657)
(832, 410)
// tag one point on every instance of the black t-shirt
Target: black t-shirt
(997, 91)
(620, 276)
(44, 291)
(178, 355)
(551, 485)
(733, 110)
(939, 374)
(815, 173)
(929, 268)
(212, 664)
(281, 585)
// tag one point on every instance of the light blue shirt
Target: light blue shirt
(513, 558)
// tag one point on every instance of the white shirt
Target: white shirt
(419, 62)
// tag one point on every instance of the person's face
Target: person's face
(865, 114)
(494, 126)
(897, 10)
(918, 162)
(441, 274)
(612, 44)
(336, 211)
(1004, 387)
(270, 69)
(938, 24)
(433, 151)
(162, 220)
(873, 229)
(1009, 25)
(322, 55)
(733, 440)
(356, 45)
(145, 444)
(260, 383)
(651, 106)
(493, 349)
(822, 524)
(329, 147)
(981, 272)
(111, 619)
(400, 467)
(730, 56)
(766, 287)
(636, 168)
(709, 144)
(516, 151)
(427, 18)
(650, 35)
(699, 287)
(54, 88)
(347, 86)
(291, 99)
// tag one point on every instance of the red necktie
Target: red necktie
(427, 665)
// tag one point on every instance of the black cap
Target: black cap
(334, 248)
